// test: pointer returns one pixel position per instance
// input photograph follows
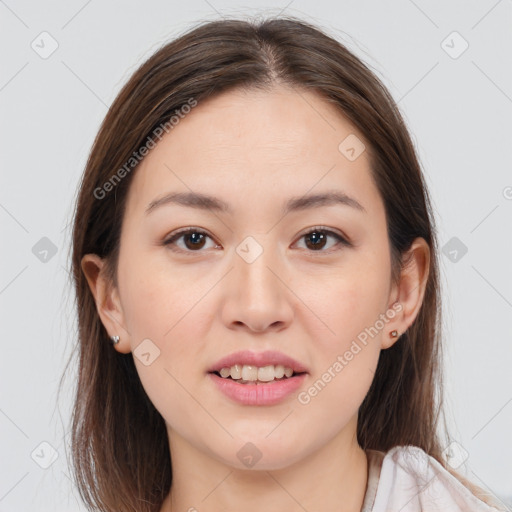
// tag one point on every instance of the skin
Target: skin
(255, 150)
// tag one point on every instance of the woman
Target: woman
(254, 234)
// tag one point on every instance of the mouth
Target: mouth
(250, 374)
(258, 378)
(272, 389)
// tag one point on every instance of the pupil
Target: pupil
(318, 237)
(195, 237)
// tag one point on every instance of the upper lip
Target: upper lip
(266, 358)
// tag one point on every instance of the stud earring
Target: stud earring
(115, 339)
(394, 334)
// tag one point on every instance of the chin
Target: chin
(260, 453)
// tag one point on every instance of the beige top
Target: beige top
(407, 479)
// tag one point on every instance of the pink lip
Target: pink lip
(258, 394)
(266, 358)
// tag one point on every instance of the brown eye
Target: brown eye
(317, 239)
(194, 240)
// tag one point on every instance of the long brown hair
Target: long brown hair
(119, 440)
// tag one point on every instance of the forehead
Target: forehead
(257, 145)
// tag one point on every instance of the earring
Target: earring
(115, 339)
(394, 334)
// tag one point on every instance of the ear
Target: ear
(409, 292)
(107, 300)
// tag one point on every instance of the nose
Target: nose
(258, 297)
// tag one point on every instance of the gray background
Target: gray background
(458, 107)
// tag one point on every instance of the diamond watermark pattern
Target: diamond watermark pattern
(44, 455)
(454, 249)
(146, 352)
(249, 249)
(455, 455)
(44, 45)
(44, 250)
(351, 147)
(249, 455)
(454, 45)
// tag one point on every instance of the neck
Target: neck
(332, 478)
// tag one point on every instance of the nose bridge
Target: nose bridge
(255, 258)
(257, 296)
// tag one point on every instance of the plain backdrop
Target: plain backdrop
(448, 64)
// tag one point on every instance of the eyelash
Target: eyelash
(317, 229)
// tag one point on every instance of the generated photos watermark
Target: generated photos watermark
(137, 156)
(305, 397)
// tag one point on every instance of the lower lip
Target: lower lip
(258, 394)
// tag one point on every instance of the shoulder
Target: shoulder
(406, 478)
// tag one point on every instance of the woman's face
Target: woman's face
(249, 277)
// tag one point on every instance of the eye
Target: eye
(194, 239)
(316, 239)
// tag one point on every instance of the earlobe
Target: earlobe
(106, 298)
(410, 290)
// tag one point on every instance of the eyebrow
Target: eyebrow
(207, 202)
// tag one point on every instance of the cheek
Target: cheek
(348, 300)
(172, 310)
(351, 307)
(167, 310)
(347, 352)
(335, 395)
(158, 303)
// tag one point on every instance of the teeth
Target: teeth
(248, 373)
(235, 371)
(225, 372)
(279, 371)
(266, 373)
